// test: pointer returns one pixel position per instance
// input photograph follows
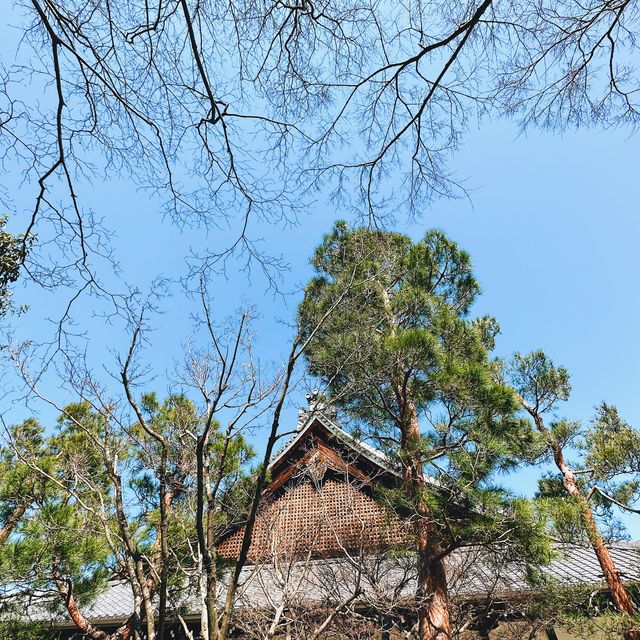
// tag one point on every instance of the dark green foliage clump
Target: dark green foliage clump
(11, 257)
(13, 630)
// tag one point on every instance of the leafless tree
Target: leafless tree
(91, 475)
(179, 447)
(193, 100)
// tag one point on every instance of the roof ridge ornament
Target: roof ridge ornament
(317, 403)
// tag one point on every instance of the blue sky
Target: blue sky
(552, 226)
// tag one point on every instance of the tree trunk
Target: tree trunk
(12, 521)
(202, 592)
(432, 599)
(210, 631)
(74, 612)
(432, 595)
(164, 545)
(619, 594)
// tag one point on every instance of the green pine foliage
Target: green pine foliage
(19, 485)
(395, 315)
(604, 455)
(71, 527)
(17, 630)
(612, 451)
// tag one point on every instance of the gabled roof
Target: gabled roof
(323, 498)
(320, 418)
(320, 421)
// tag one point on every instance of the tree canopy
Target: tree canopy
(364, 100)
(402, 356)
(111, 505)
(540, 385)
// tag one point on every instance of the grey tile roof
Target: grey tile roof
(471, 574)
(115, 601)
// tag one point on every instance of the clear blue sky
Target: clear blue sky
(552, 227)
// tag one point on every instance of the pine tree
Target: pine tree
(402, 357)
(611, 447)
(115, 499)
(20, 486)
(541, 385)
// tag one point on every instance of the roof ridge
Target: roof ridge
(375, 455)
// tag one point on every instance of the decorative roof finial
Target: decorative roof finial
(316, 403)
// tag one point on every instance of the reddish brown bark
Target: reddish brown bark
(123, 632)
(432, 597)
(619, 594)
(432, 593)
(81, 622)
(12, 521)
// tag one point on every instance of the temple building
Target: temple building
(327, 546)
